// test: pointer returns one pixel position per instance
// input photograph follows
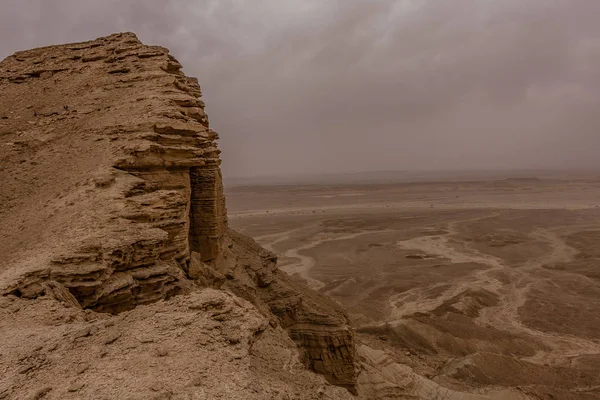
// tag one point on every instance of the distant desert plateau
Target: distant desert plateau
(474, 284)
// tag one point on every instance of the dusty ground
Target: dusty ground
(206, 345)
(477, 285)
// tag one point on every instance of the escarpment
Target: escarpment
(144, 124)
(317, 324)
(112, 195)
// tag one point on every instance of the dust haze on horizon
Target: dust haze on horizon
(335, 86)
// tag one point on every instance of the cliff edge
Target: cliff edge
(112, 198)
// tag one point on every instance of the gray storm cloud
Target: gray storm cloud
(327, 86)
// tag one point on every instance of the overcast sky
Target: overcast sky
(329, 86)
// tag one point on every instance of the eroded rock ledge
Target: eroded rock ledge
(109, 144)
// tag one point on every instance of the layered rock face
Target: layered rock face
(160, 180)
(112, 195)
(317, 324)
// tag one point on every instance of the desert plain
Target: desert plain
(478, 283)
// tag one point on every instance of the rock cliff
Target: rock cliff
(112, 198)
(317, 324)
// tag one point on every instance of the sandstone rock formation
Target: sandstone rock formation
(127, 117)
(316, 323)
(112, 198)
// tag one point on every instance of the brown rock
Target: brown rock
(41, 393)
(203, 273)
(112, 338)
(75, 387)
(82, 368)
(119, 203)
(317, 324)
(161, 351)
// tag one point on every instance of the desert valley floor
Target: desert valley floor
(477, 285)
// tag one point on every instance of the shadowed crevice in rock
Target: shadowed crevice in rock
(207, 213)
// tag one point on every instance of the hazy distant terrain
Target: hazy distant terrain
(387, 177)
(474, 283)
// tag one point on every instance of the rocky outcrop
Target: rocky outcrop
(129, 208)
(317, 324)
(206, 345)
(162, 175)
